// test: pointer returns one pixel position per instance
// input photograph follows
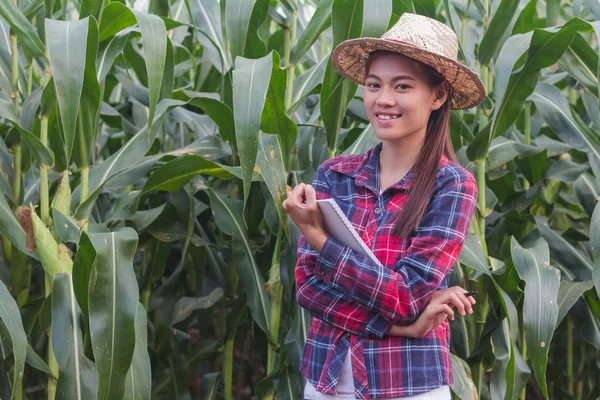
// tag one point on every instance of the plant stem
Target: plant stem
(527, 128)
(18, 154)
(580, 371)
(227, 368)
(17, 150)
(275, 289)
(44, 195)
(85, 173)
(480, 285)
(524, 355)
(290, 43)
(570, 384)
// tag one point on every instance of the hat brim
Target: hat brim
(350, 60)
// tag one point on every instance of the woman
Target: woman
(381, 332)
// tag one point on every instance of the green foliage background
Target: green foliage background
(145, 149)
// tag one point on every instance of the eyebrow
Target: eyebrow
(396, 78)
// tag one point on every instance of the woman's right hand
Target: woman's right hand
(438, 309)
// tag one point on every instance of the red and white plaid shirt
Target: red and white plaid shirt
(353, 301)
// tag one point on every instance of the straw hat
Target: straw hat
(423, 39)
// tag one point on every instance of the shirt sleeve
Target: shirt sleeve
(330, 304)
(401, 293)
(321, 299)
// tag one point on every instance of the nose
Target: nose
(386, 98)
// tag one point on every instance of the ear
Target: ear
(440, 93)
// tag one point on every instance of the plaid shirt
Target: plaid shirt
(353, 301)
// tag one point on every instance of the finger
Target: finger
(463, 295)
(298, 194)
(448, 310)
(311, 195)
(444, 309)
(465, 302)
(460, 293)
(457, 302)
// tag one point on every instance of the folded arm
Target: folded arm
(400, 294)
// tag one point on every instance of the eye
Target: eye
(403, 86)
(373, 85)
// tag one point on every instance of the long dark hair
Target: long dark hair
(437, 142)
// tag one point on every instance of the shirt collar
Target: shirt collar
(365, 171)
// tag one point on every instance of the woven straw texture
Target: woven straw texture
(423, 39)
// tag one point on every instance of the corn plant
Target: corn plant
(146, 148)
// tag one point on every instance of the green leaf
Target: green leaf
(527, 20)
(462, 384)
(115, 18)
(82, 270)
(320, 21)
(90, 7)
(580, 60)
(208, 20)
(307, 82)
(217, 110)
(6, 174)
(228, 217)
(564, 252)
(11, 228)
(552, 12)
(113, 299)
(251, 80)
(108, 53)
(336, 92)
(42, 153)
(139, 376)
(472, 255)
(364, 142)
(376, 17)
(77, 377)
(502, 379)
(274, 118)
(586, 192)
(568, 294)
(186, 305)
(35, 361)
(544, 47)
(595, 244)
(154, 37)
(495, 32)
(91, 98)
(503, 150)
(270, 164)
(540, 306)
(128, 155)
(21, 26)
(238, 20)
(9, 314)
(29, 109)
(553, 106)
(177, 173)
(67, 41)
(594, 8)
(66, 227)
(565, 171)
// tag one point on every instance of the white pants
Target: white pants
(345, 388)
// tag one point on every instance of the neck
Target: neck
(397, 157)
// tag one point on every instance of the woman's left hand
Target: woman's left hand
(301, 205)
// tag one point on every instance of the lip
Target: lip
(386, 122)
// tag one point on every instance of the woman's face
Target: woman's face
(399, 97)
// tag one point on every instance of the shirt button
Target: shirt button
(377, 210)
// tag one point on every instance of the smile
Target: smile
(386, 116)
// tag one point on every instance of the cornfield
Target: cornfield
(145, 149)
